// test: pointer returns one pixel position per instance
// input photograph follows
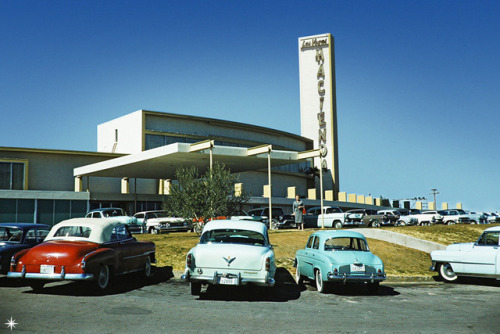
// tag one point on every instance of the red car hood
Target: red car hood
(59, 252)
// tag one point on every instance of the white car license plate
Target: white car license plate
(228, 281)
(46, 269)
(357, 268)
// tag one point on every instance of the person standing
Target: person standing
(298, 212)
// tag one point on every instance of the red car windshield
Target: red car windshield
(73, 231)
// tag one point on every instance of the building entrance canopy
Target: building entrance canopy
(162, 162)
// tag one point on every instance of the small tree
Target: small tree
(202, 197)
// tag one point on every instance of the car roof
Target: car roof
(338, 234)
(105, 209)
(236, 224)
(493, 229)
(23, 225)
(150, 211)
(100, 229)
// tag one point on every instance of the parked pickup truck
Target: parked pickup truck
(333, 217)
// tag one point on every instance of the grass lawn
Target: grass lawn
(171, 248)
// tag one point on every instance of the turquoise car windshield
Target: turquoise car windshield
(346, 244)
(233, 236)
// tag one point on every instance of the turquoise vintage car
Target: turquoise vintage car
(338, 256)
(474, 259)
(231, 252)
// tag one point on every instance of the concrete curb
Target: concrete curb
(400, 239)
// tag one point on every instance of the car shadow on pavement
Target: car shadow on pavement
(118, 284)
(352, 289)
(6, 282)
(284, 290)
(472, 281)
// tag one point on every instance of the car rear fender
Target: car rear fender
(15, 258)
(102, 256)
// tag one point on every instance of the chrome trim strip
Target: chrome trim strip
(138, 255)
(356, 278)
(51, 276)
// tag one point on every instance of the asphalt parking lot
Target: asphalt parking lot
(164, 305)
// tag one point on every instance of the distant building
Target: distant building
(38, 185)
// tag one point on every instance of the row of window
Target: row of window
(154, 141)
(51, 212)
(42, 211)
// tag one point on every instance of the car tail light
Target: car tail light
(335, 271)
(189, 260)
(13, 263)
(268, 264)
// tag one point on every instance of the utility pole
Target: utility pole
(435, 192)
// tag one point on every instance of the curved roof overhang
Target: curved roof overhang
(162, 162)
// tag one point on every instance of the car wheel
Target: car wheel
(400, 223)
(375, 223)
(337, 224)
(373, 287)
(103, 277)
(473, 222)
(147, 268)
(320, 284)
(195, 288)
(298, 276)
(154, 231)
(450, 222)
(446, 272)
(37, 285)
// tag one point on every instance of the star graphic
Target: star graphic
(11, 323)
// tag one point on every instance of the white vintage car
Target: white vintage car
(231, 252)
(479, 259)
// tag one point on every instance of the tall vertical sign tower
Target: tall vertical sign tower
(318, 103)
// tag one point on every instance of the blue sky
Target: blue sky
(417, 81)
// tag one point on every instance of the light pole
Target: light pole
(434, 192)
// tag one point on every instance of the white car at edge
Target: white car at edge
(475, 259)
(231, 252)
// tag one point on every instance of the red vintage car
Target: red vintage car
(83, 249)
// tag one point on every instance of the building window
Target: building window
(12, 175)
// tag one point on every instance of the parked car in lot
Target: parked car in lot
(377, 219)
(278, 216)
(119, 215)
(492, 218)
(406, 217)
(475, 259)
(429, 217)
(356, 217)
(159, 221)
(231, 252)
(338, 256)
(399, 217)
(332, 216)
(83, 249)
(451, 217)
(15, 237)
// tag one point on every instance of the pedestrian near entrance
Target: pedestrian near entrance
(298, 212)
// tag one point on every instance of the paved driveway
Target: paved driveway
(164, 305)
